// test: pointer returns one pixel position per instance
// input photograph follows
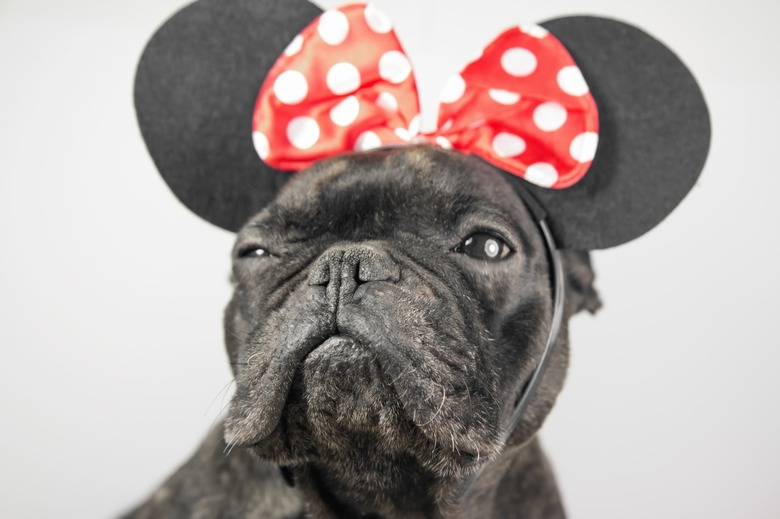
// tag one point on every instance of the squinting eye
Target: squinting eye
(484, 246)
(253, 252)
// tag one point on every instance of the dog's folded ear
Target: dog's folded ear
(580, 291)
(654, 135)
(195, 91)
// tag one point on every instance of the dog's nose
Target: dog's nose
(345, 267)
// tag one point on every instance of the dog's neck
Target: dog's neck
(519, 482)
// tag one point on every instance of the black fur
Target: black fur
(374, 361)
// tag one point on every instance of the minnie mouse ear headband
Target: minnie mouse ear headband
(608, 119)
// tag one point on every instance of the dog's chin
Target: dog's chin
(341, 389)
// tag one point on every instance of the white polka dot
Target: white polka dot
(261, 144)
(508, 145)
(583, 147)
(443, 142)
(291, 87)
(394, 67)
(534, 30)
(550, 116)
(333, 27)
(541, 174)
(295, 46)
(447, 125)
(414, 125)
(403, 134)
(453, 89)
(377, 20)
(367, 141)
(571, 81)
(387, 101)
(504, 97)
(518, 62)
(345, 113)
(343, 78)
(303, 132)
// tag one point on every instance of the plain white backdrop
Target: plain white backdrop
(111, 292)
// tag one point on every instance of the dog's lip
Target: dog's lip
(337, 340)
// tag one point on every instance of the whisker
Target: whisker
(443, 398)
(249, 360)
(222, 405)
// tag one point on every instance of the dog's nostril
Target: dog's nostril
(357, 274)
(354, 265)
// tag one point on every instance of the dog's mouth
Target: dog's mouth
(341, 386)
(379, 373)
(342, 378)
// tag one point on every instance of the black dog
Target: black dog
(393, 308)
(387, 310)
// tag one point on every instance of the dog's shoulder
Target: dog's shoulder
(218, 483)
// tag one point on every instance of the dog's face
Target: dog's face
(395, 301)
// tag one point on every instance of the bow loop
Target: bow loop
(524, 106)
(344, 83)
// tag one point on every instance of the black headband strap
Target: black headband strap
(532, 385)
(556, 270)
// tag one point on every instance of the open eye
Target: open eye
(484, 246)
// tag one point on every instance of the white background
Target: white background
(111, 292)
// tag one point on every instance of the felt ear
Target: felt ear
(654, 134)
(195, 91)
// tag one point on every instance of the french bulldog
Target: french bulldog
(395, 310)
(389, 308)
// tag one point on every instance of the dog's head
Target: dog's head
(402, 296)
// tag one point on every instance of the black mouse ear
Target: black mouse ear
(195, 91)
(654, 135)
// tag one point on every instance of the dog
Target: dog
(388, 309)
(398, 330)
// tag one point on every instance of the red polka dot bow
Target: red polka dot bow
(345, 83)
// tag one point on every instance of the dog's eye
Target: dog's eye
(484, 246)
(252, 252)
